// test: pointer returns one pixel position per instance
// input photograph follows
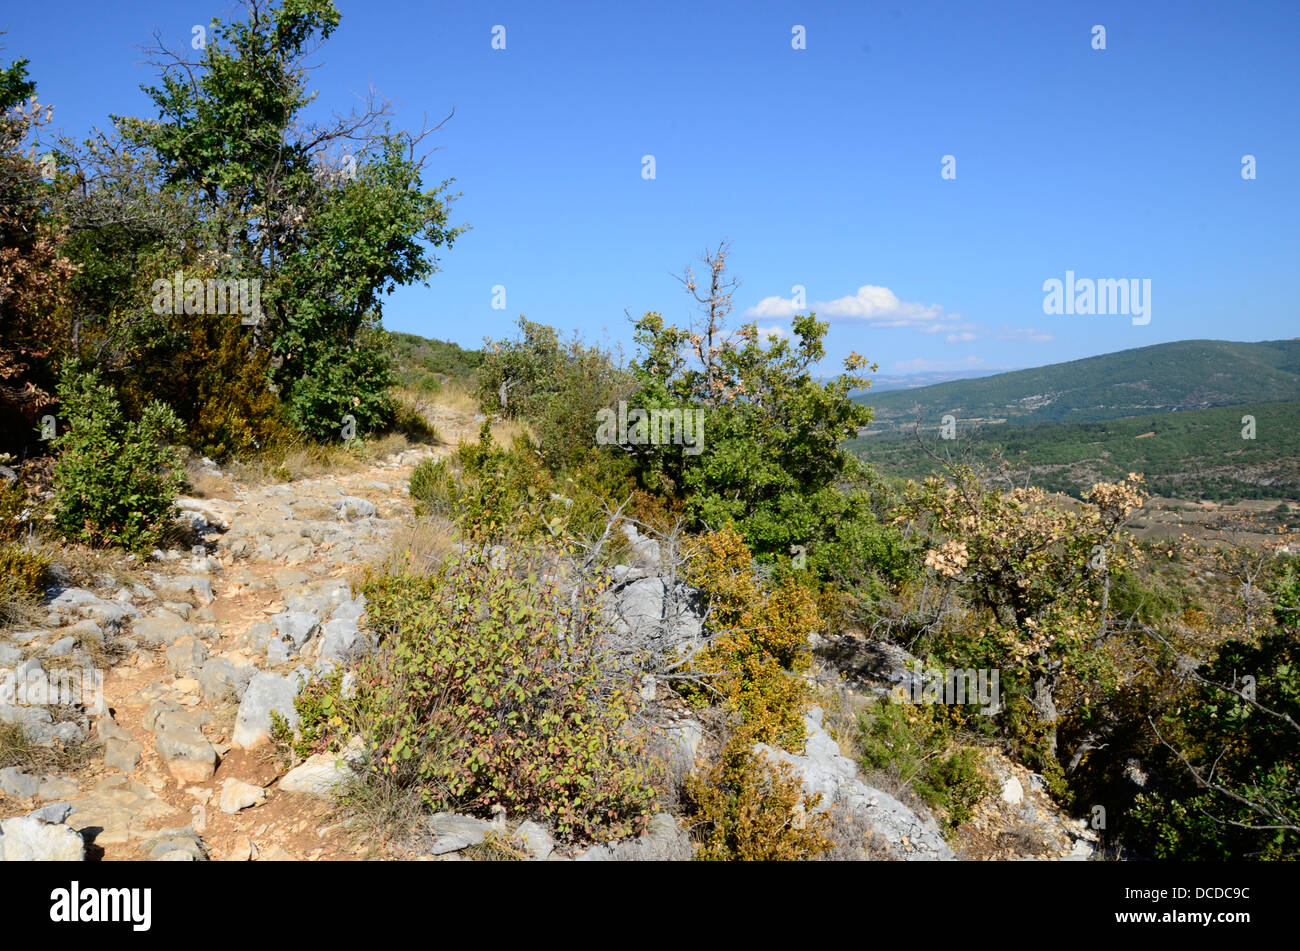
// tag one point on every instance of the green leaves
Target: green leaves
(771, 461)
(484, 692)
(261, 195)
(115, 480)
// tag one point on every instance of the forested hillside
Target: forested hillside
(1166, 377)
(1193, 454)
(1204, 419)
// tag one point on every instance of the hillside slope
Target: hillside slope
(1197, 454)
(1185, 375)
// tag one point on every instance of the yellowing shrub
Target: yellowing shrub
(761, 645)
(747, 809)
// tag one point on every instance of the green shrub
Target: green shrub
(1228, 785)
(208, 372)
(350, 379)
(115, 480)
(412, 424)
(559, 386)
(431, 487)
(771, 460)
(493, 492)
(500, 488)
(1144, 598)
(23, 568)
(1284, 587)
(488, 689)
(916, 743)
(422, 363)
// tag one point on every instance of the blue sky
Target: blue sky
(822, 165)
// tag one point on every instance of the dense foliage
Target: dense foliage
(279, 237)
(115, 479)
(1195, 453)
(489, 688)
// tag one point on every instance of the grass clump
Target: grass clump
(17, 749)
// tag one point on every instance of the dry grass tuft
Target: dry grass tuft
(17, 749)
(205, 485)
(456, 397)
(841, 707)
(80, 566)
(422, 544)
(506, 431)
(495, 848)
(384, 816)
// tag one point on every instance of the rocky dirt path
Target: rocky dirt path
(197, 648)
(195, 655)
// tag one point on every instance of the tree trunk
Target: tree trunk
(1045, 707)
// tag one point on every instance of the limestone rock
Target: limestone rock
(266, 692)
(26, 839)
(351, 508)
(121, 754)
(175, 845)
(662, 841)
(185, 658)
(220, 679)
(321, 774)
(823, 769)
(183, 748)
(1012, 791)
(116, 811)
(296, 627)
(18, 784)
(237, 794)
(186, 586)
(162, 629)
(534, 840)
(454, 832)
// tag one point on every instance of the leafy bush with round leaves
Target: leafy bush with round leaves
(489, 688)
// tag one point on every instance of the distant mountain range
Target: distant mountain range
(881, 383)
(1174, 411)
(1186, 375)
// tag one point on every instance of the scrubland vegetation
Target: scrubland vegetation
(491, 683)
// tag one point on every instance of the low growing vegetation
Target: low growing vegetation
(488, 688)
(1160, 680)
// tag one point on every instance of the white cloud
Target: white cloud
(876, 306)
(775, 332)
(770, 307)
(879, 307)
